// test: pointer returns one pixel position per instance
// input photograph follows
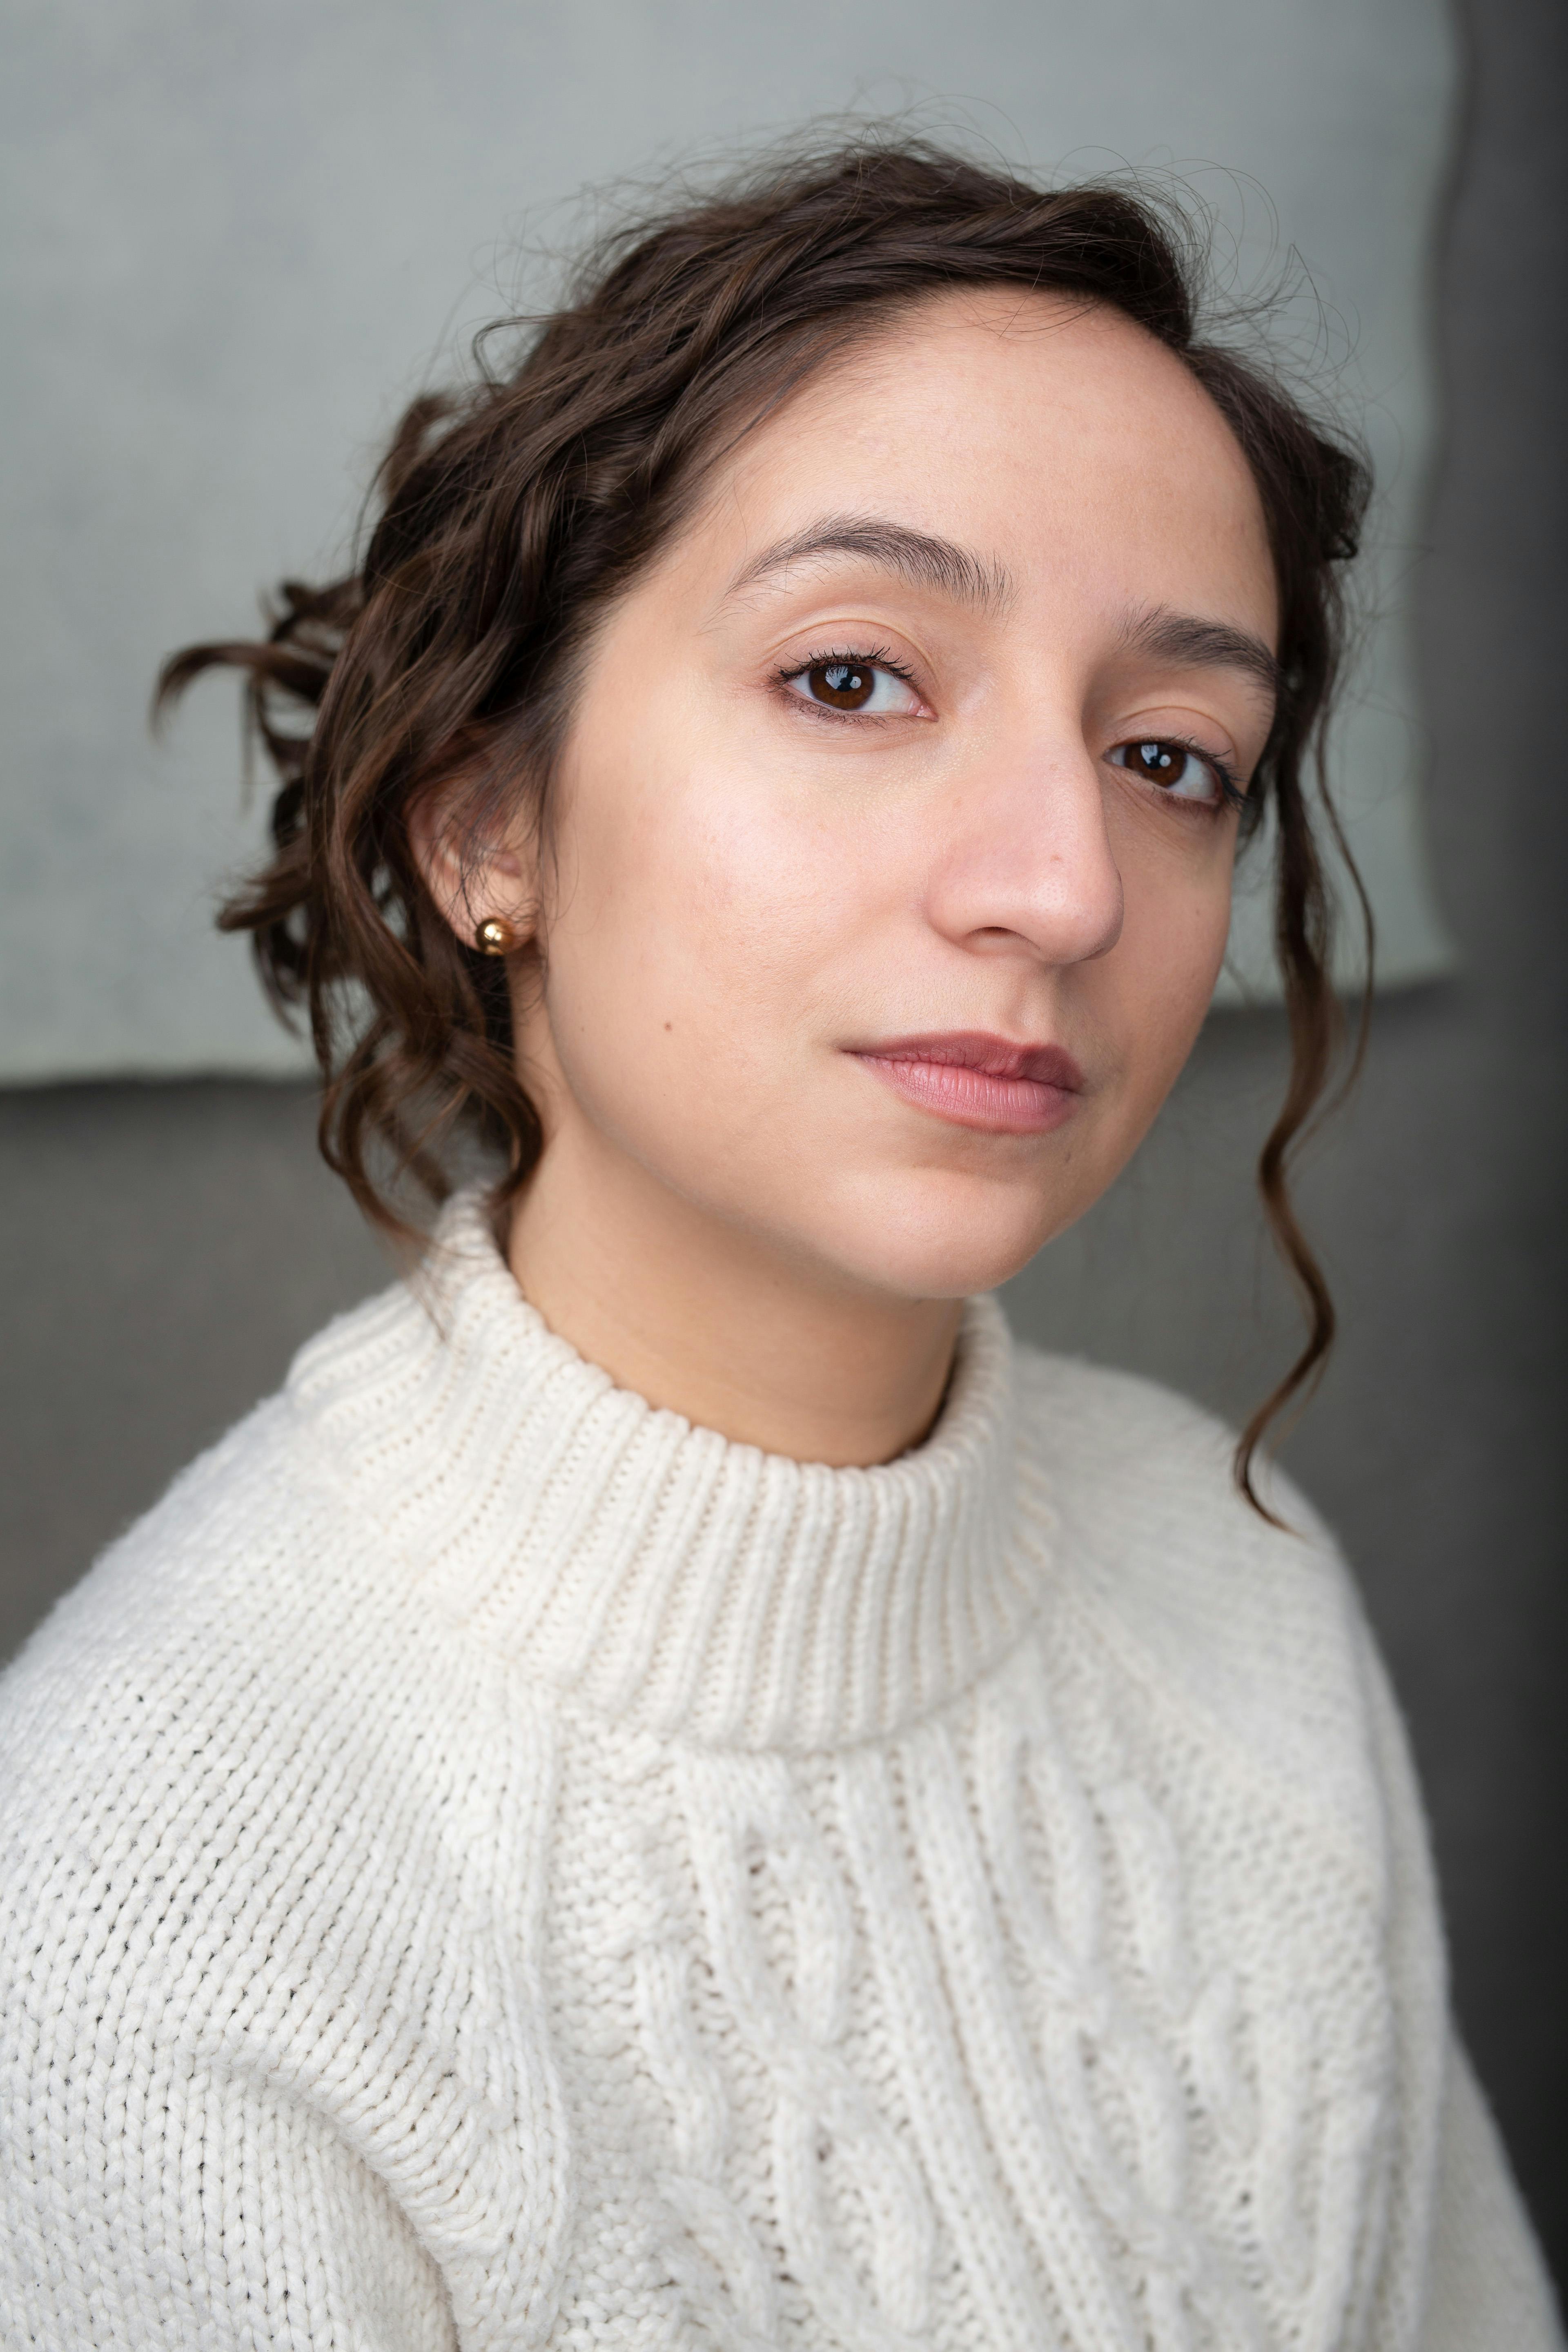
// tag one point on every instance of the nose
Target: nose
(1027, 866)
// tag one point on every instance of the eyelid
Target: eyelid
(1176, 722)
(863, 640)
(868, 631)
(872, 656)
(1199, 732)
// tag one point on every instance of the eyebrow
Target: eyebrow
(913, 555)
(1182, 639)
(1187, 643)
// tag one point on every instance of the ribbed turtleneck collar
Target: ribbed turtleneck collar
(659, 1571)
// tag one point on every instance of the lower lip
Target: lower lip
(973, 1098)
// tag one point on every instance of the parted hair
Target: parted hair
(508, 512)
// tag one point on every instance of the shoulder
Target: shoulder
(1255, 1631)
(257, 1801)
(236, 1547)
(215, 1562)
(1137, 1465)
(189, 1620)
(208, 1717)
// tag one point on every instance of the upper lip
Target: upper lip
(978, 1049)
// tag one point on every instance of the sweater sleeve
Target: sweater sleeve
(272, 2076)
(142, 2211)
(1486, 2284)
(1481, 2284)
(157, 2193)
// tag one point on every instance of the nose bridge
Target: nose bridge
(1030, 856)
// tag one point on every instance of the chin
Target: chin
(943, 1237)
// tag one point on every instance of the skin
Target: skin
(735, 1213)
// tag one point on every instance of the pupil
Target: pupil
(845, 684)
(1154, 756)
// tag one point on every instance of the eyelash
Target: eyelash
(1231, 795)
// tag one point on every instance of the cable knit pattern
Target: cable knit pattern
(489, 1865)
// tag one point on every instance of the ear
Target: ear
(473, 876)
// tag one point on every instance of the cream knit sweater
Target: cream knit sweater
(488, 1864)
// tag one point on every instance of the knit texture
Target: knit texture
(489, 1865)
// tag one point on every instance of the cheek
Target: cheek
(1164, 969)
(696, 915)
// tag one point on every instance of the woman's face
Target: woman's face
(892, 839)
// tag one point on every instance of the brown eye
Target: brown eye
(854, 685)
(1174, 768)
(843, 686)
(1157, 763)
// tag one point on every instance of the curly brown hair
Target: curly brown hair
(507, 515)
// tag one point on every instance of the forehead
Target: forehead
(1057, 440)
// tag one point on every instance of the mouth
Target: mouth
(978, 1080)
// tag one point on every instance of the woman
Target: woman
(676, 1788)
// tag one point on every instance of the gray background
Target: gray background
(165, 1245)
(234, 238)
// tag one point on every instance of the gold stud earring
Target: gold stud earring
(495, 937)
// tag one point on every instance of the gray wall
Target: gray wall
(234, 238)
(165, 1246)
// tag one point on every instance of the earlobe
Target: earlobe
(481, 890)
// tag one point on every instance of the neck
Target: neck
(705, 1320)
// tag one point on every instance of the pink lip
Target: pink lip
(978, 1080)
